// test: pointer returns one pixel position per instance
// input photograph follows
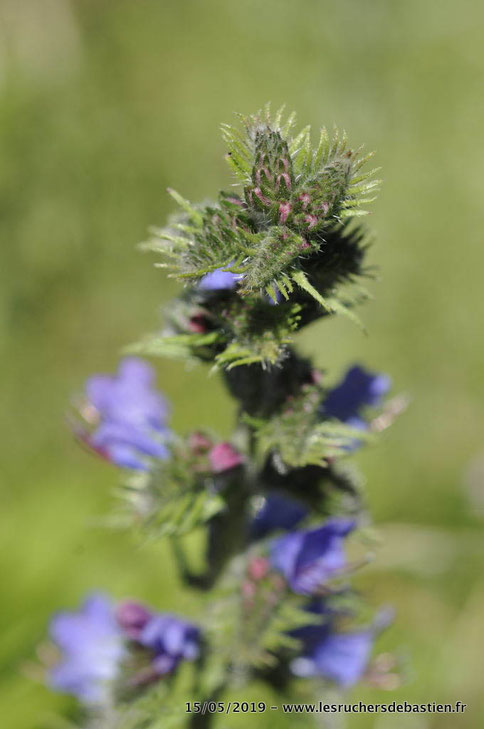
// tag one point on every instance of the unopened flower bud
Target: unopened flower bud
(305, 199)
(284, 210)
(311, 220)
(263, 199)
(258, 568)
(197, 324)
(132, 618)
(199, 442)
(224, 457)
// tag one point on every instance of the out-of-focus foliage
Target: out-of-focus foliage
(105, 104)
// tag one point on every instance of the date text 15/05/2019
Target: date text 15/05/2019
(255, 707)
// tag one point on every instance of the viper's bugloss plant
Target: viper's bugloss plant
(282, 514)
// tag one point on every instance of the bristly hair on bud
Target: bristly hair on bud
(292, 195)
(284, 236)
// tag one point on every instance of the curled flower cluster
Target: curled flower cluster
(309, 559)
(96, 642)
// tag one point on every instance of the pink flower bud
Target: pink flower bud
(197, 324)
(224, 457)
(258, 568)
(248, 593)
(283, 177)
(265, 171)
(234, 201)
(132, 618)
(264, 200)
(316, 376)
(199, 442)
(284, 210)
(305, 198)
(311, 220)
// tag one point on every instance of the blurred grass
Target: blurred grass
(102, 106)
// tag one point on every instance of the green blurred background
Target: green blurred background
(103, 104)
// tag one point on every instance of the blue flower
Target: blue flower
(129, 415)
(92, 648)
(99, 638)
(358, 389)
(339, 657)
(222, 280)
(219, 280)
(309, 558)
(277, 511)
(171, 640)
